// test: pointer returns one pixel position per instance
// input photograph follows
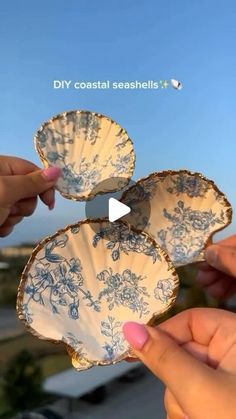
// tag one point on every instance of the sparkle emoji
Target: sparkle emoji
(176, 84)
(164, 84)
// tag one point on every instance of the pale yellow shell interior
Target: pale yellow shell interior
(81, 267)
(90, 148)
(186, 209)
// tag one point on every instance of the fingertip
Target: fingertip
(222, 258)
(212, 255)
(51, 206)
(48, 198)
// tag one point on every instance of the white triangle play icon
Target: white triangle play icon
(117, 210)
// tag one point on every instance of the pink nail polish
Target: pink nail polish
(136, 334)
(52, 173)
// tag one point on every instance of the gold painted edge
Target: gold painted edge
(99, 115)
(71, 351)
(165, 173)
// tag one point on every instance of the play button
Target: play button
(117, 210)
(117, 205)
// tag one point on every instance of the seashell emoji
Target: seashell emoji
(89, 148)
(186, 209)
(176, 84)
(81, 284)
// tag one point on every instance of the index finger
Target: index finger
(11, 165)
(17, 166)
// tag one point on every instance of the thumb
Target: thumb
(222, 258)
(17, 187)
(181, 372)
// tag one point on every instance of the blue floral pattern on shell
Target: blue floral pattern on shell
(81, 173)
(164, 290)
(61, 286)
(186, 236)
(74, 343)
(111, 328)
(124, 289)
(193, 186)
(120, 239)
(181, 221)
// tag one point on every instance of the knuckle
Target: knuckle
(35, 183)
(3, 189)
(31, 181)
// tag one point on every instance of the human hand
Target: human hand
(194, 354)
(218, 274)
(20, 183)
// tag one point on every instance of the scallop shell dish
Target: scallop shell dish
(185, 210)
(82, 283)
(89, 148)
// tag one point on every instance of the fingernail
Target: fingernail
(136, 334)
(211, 255)
(51, 206)
(52, 173)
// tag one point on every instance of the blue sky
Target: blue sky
(194, 128)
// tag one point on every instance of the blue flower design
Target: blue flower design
(121, 239)
(27, 315)
(30, 290)
(74, 343)
(193, 186)
(75, 266)
(112, 330)
(33, 293)
(164, 290)
(185, 237)
(121, 164)
(43, 274)
(60, 283)
(80, 176)
(53, 157)
(90, 124)
(201, 220)
(124, 289)
(74, 310)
